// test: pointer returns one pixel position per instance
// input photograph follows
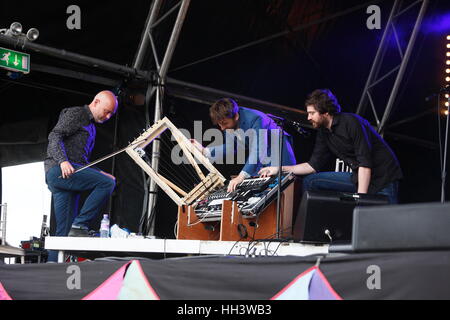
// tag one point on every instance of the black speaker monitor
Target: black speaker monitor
(401, 227)
(328, 210)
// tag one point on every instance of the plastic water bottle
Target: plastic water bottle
(104, 227)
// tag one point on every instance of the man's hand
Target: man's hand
(197, 145)
(234, 183)
(268, 171)
(66, 169)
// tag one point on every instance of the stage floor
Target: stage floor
(83, 246)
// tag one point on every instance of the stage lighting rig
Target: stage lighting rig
(15, 31)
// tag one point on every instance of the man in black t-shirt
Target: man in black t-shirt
(349, 137)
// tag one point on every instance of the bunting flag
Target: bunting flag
(129, 282)
(3, 294)
(135, 285)
(309, 285)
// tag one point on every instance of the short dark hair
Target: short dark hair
(323, 101)
(223, 108)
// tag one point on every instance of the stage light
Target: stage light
(446, 96)
(448, 54)
(448, 62)
(15, 31)
(32, 34)
(447, 104)
(15, 28)
(448, 37)
(447, 70)
(445, 112)
(447, 79)
(448, 45)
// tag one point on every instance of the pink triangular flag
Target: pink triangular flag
(309, 285)
(297, 289)
(3, 294)
(135, 285)
(109, 290)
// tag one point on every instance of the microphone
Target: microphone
(295, 125)
(328, 233)
(299, 129)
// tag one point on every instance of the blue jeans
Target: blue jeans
(342, 182)
(66, 195)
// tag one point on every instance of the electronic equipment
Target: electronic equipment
(252, 195)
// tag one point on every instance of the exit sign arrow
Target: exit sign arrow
(14, 60)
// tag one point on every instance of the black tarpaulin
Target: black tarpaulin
(402, 275)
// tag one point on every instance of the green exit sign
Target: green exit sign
(14, 60)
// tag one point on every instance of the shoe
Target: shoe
(78, 232)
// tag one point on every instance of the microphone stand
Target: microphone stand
(444, 169)
(446, 89)
(280, 162)
(281, 123)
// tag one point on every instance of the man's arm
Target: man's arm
(66, 126)
(364, 175)
(359, 131)
(298, 169)
(258, 138)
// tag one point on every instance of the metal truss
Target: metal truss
(202, 94)
(158, 89)
(374, 79)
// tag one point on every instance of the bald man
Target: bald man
(70, 145)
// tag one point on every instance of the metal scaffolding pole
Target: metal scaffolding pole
(401, 72)
(162, 72)
(376, 63)
(372, 80)
(74, 57)
(143, 45)
(207, 95)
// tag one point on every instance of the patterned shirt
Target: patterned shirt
(72, 139)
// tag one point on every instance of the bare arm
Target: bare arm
(364, 175)
(298, 169)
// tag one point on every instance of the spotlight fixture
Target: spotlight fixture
(15, 31)
(32, 34)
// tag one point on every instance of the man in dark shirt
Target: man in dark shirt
(347, 136)
(70, 145)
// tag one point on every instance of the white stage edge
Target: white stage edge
(140, 245)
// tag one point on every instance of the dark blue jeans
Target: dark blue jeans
(342, 182)
(66, 194)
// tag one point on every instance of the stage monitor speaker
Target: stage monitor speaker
(328, 210)
(401, 227)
